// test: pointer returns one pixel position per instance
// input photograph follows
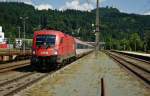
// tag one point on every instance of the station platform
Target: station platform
(83, 78)
(9, 55)
(142, 56)
(137, 53)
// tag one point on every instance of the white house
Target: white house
(1, 36)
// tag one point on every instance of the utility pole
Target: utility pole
(19, 40)
(24, 37)
(97, 29)
(145, 43)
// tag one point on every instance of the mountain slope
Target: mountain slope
(115, 26)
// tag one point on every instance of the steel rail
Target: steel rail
(13, 66)
(132, 70)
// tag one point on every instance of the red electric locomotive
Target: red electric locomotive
(51, 48)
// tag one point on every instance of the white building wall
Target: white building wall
(1, 35)
(0, 28)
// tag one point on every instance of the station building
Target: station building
(3, 43)
(1, 35)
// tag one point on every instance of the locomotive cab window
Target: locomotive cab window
(47, 40)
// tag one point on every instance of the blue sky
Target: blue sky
(128, 6)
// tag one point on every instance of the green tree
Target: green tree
(147, 40)
(135, 42)
(116, 27)
(125, 44)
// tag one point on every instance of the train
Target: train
(53, 48)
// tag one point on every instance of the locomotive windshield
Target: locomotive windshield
(47, 40)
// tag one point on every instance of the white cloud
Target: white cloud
(75, 4)
(147, 13)
(28, 2)
(25, 1)
(43, 7)
(39, 7)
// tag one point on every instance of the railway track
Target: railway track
(9, 88)
(138, 68)
(24, 80)
(143, 65)
(13, 65)
(13, 79)
(138, 59)
(15, 85)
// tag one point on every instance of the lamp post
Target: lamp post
(24, 30)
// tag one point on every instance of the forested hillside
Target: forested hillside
(118, 30)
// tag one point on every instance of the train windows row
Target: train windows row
(81, 46)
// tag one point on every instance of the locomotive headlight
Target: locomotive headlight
(55, 52)
(33, 52)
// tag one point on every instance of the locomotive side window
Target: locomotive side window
(48, 40)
